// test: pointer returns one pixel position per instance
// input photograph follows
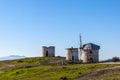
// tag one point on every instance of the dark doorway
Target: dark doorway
(91, 60)
(90, 51)
(46, 53)
(72, 57)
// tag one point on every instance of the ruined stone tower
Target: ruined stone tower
(90, 53)
(48, 51)
(72, 54)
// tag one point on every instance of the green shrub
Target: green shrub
(63, 78)
(115, 59)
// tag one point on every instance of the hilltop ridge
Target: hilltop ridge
(56, 68)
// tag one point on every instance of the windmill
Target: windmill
(81, 46)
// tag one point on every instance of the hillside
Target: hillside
(56, 69)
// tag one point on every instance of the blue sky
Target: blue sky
(27, 25)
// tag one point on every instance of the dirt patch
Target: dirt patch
(7, 67)
(110, 63)
(99, 74)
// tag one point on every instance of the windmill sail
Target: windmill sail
(81, 47)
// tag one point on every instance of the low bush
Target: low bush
(63, 78)
(115, 59)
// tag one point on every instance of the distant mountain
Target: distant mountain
(11, 57)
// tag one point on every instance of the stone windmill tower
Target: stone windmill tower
(90, 52)
(72, 54)
(48, 51)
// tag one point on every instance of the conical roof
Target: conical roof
(90, 46)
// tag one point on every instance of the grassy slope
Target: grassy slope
(32, 69)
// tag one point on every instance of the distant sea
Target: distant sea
(11, 57)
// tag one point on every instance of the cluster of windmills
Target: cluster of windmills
(89, 51)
